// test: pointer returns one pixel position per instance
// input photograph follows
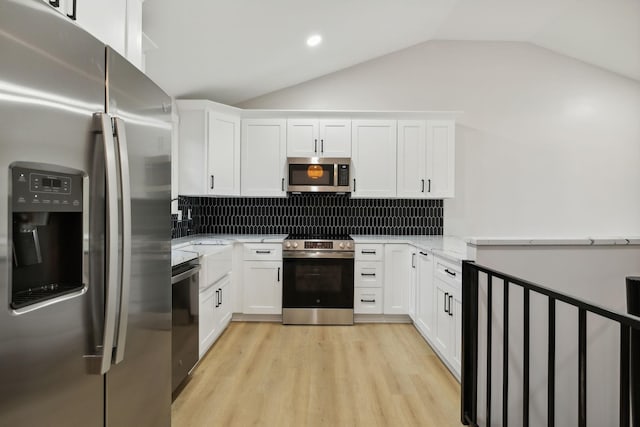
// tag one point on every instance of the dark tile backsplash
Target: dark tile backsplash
(308, 213)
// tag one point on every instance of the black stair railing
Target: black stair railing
(471, 273)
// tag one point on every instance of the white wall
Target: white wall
(547, 145)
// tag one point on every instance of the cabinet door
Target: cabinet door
(225, 304)
(192, 149)
(456, 333)
(133, 32)
(224, 155)
(263, 158)
(412, 151)
(374, 158)
(442, 325)
(105, 20)
(397, 270)
(263, 287)
(413, 283)
(206, 318)
(335, 138)
(425, 308)
(302, 138)
(441, 156)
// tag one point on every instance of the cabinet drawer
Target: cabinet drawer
(448, 272)
(367, 300)
(369, 252)
(368, 274)
(262, 251)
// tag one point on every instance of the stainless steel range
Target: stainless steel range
(317, 285)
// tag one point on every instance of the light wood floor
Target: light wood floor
(267, 374)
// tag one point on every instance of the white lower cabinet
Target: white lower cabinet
(214, 312)
(413, 285)
(425, 294)
(367, 301)
(368, 282)
(262, 278)
(206, 319)
(397, 278)
(447, 328)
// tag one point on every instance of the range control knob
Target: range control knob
(287, 244)
(341, 245)
(348, 245)
(295, 244)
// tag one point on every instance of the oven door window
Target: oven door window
(309, 174)
(317, 283)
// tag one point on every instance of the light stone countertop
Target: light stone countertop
(450, 247)
(554, 241)
(190, 247)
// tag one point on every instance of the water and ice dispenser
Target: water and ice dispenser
(46, 211)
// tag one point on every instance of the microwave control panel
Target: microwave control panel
(343, 175)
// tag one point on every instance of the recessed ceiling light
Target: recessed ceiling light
(314, 40)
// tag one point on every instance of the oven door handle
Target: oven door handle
(318, 254)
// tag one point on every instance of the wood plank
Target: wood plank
(267, 374)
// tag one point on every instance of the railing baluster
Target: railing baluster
(505, 357)
(489, 311)
(469, 374)
(625, 373)
(525, 367)
(582, 367)
(551, 365)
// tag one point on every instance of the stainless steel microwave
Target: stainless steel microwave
(319, 174)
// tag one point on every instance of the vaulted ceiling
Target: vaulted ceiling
(231, 51)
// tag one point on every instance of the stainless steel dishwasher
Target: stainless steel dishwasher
(184, 321)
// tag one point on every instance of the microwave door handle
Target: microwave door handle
(103, 356)
(125, 280)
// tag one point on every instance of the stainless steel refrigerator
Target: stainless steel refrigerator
(85, 294)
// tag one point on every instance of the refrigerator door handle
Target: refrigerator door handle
(125, 281)
(104, 354)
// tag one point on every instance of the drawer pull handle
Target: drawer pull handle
(368, 252)
(450, 273)
(368, 274)
(263, 252)
(368, 300)
(424, 253)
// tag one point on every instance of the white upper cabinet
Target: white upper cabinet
(224, 154)
(264, 152)
(426, 158)
(209, 150)
(441, 157)
(133, 34)
(318, 138)
(374, 158)
(117, 23)
(105, 19)
(412, 154)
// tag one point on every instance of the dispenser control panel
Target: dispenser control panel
(41, 183)
(35, 190)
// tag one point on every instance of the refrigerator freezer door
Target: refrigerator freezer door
(51, 83)
(139, 385)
